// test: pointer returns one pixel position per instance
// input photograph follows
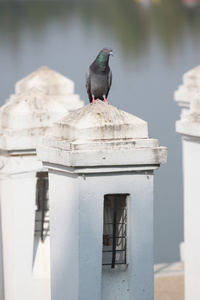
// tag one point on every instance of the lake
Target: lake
(154, 43)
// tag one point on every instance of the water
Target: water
(153, 44)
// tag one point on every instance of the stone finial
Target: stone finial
(53, 84)
(101, 135)
(192, 77)
(100, 122)
(186, 91)
(31, 109)
(46, 80)
(27, 117)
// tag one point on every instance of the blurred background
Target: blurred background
(154, 43)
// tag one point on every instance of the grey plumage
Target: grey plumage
(99, 76)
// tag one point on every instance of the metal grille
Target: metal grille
(42, 205)
(115, 229)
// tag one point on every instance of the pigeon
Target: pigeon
(99, 77)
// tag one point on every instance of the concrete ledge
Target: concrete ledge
(134, 156)
(171, 269)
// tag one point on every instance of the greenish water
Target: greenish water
(153, 46)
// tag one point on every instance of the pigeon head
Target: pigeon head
(103, 56)
(106, 52)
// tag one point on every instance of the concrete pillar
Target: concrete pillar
(101, 161)
(189, 127)
(183, 95)
(24, 121)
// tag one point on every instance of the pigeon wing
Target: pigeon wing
(88, 83)
(109, 81)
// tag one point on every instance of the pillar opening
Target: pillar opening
(42, 206)
(115, 230)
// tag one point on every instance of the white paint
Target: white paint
(186, 91)
(76, 236)
(46, 80)
(189, 128)
(25, 119)
(1, 263)
(191, 161)
(182, 252)
(51, 83)
(31, 109)
(130, 156)
(18, 189)
(101, 135)
(87, 160)
(64, 212)
(100, 121)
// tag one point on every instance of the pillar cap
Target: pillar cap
(47, 80)
(26, 117)
(186, 91)
(52, 84)
(100, 134)
(192, 77)
(100, 121)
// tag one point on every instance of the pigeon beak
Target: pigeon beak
(111, 53)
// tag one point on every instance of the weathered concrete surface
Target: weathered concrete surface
(26, 118)
(186, 91)
(25, 260)
(41, 98)
(30, 109)
(47, 80)
(101, 135)
(190, 123)
(93, 152)
(52, 84)
(100, 121)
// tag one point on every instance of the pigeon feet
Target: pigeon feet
(93, 100)
(105, 100)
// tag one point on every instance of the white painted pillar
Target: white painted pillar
(189, 128)
(24, 120)
(183, 95)
(98, 151)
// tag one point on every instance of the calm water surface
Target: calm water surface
(153, 46)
